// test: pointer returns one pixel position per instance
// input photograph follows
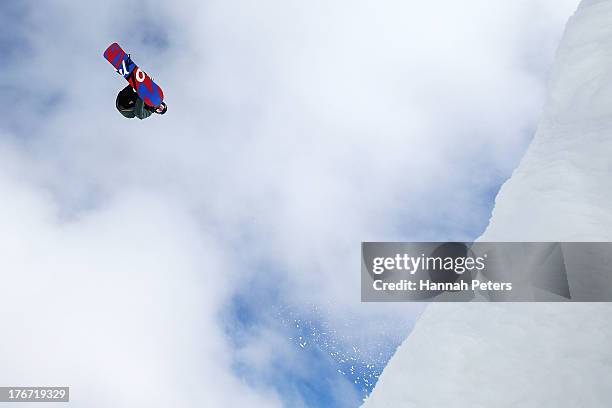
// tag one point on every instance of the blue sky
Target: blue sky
(332, 359)
(215, 249)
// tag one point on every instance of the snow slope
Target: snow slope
(546, 354)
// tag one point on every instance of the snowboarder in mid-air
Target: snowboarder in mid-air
(130, 105)
(142, 96)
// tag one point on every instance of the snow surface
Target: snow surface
(540, 354)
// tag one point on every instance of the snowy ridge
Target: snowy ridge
(546, 354)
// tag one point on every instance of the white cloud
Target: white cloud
(126, 296)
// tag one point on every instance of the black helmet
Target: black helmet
(126, 99)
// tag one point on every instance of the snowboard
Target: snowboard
(147, 90)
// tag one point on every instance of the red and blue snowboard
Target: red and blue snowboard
(147, 90)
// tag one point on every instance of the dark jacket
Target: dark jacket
(130, 105)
